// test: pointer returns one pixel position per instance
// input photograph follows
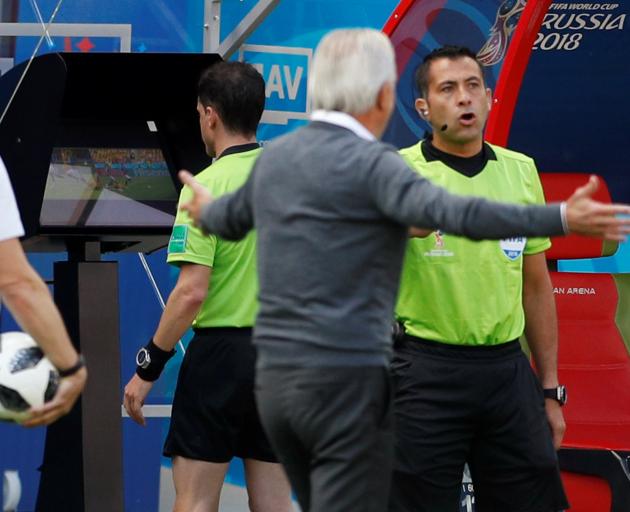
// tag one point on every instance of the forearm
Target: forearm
(227, 217)
(412, 200)
(541, 330)
(31, 304)
(179, 313)
(478, 218)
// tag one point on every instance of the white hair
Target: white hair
(349, 69)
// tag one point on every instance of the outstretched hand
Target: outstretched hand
(588, 217)
(201, 196)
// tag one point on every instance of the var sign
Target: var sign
(285, 70)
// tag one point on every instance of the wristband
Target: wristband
(73, 369)
(150, 361)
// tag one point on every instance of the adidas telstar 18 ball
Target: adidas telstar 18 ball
(27, 377)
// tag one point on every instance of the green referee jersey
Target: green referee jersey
(458, 291)
(231, 299)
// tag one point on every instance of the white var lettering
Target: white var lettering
(281, 81)
(293, 84)
(274, 83)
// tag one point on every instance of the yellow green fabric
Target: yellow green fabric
(231, 299)
(458, 291)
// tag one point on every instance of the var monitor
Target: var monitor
(96, 187)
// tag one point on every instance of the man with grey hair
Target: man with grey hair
(332, 207)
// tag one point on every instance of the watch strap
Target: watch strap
(157, 361)
(559, 394)
(73, 369)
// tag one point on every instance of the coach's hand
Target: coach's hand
(201, 196)
(556, 421)
(586, 216)
(69, 390)
(136, 392)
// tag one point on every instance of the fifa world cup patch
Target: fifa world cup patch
(439, 248)
(513, 247)
(177, 243)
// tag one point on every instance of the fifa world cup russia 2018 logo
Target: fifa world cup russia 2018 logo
(439, 240)
(507, 18)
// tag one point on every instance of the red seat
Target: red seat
(594, 364)
(558, 187)
(593, 361)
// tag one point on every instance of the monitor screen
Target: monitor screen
(108, 187)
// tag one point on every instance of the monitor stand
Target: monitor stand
(82, 468)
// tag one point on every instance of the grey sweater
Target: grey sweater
(331, 212)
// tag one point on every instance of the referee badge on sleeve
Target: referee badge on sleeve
(513, 247)
(177, 243)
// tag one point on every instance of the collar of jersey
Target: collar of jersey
(468, 166)
(239, 148)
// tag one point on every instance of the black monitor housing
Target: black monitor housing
(92, 143)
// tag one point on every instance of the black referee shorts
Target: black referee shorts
(214, 415)
(481, 405)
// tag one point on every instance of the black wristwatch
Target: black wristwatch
(143, 358)
(73, 369)
(150, 361)
(559, 394)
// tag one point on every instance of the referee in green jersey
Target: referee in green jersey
(214, 416)
(464, 390)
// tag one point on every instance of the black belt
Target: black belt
(407, 340)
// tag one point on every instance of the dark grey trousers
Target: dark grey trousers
(332, 430)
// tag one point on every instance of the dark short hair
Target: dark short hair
(450, 52)
(236, 90)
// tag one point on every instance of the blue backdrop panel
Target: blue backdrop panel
(426, 26)
(157, 25)
(578, 71)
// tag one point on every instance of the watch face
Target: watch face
(562, 394)
(143, 359)
(559, 394)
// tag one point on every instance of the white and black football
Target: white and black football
(27, 377)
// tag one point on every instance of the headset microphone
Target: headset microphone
(444, 128)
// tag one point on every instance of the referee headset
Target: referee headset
(424, 114)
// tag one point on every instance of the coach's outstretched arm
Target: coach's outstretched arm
(231, 216)
(585, 216)
(412, 200)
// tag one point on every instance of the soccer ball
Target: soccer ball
(27, 377)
